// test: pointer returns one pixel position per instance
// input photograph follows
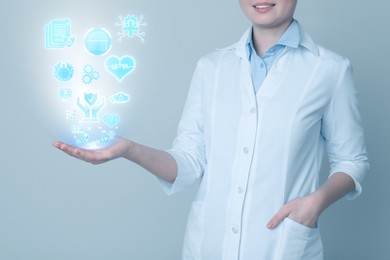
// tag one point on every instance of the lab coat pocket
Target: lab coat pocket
(298, 242)
(194, 233)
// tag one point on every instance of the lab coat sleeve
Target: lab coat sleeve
(188, 147)
(343, 132)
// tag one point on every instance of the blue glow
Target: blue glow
(120, 67)
(63, 71)
(58, 35)
(111, 120)
(131, 27)
(92, 114)
(120, 97)
(97, 41)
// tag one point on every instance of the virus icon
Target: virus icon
(89, 74)
(63, 71)
(131, 27)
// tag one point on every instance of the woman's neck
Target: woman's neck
(264, 38)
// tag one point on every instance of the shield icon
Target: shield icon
(90, 98)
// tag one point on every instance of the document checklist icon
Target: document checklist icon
(58, 34)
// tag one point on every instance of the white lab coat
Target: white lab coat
(255, 152)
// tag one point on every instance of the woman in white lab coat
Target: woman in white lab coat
(258, 150)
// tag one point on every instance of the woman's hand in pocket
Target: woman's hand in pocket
(303, 210)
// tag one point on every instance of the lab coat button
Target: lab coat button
(240, 189)
(253, 110)
(246, 150)
(235, 230)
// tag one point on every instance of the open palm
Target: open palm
(116, 150)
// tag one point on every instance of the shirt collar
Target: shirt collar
(291, 38)
(241, 50)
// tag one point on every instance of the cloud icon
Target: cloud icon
(120, 97)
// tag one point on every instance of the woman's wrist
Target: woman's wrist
(128, 150)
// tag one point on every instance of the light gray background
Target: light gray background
(55, 207)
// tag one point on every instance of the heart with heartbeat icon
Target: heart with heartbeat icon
(120, 67)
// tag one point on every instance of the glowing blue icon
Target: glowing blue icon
(91, 108)
(111, 120)
(111, 134)
(120, 68)
(104, 138)
(84, 138)
(58, 34)
(131, 27)
(90, 74)
(120, 97)
(90, 98)
(71, 114)
(77, 129)
(97, 41)
(65, 94)
(63, 71)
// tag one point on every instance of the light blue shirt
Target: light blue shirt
(252, 153)
(260, 66)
